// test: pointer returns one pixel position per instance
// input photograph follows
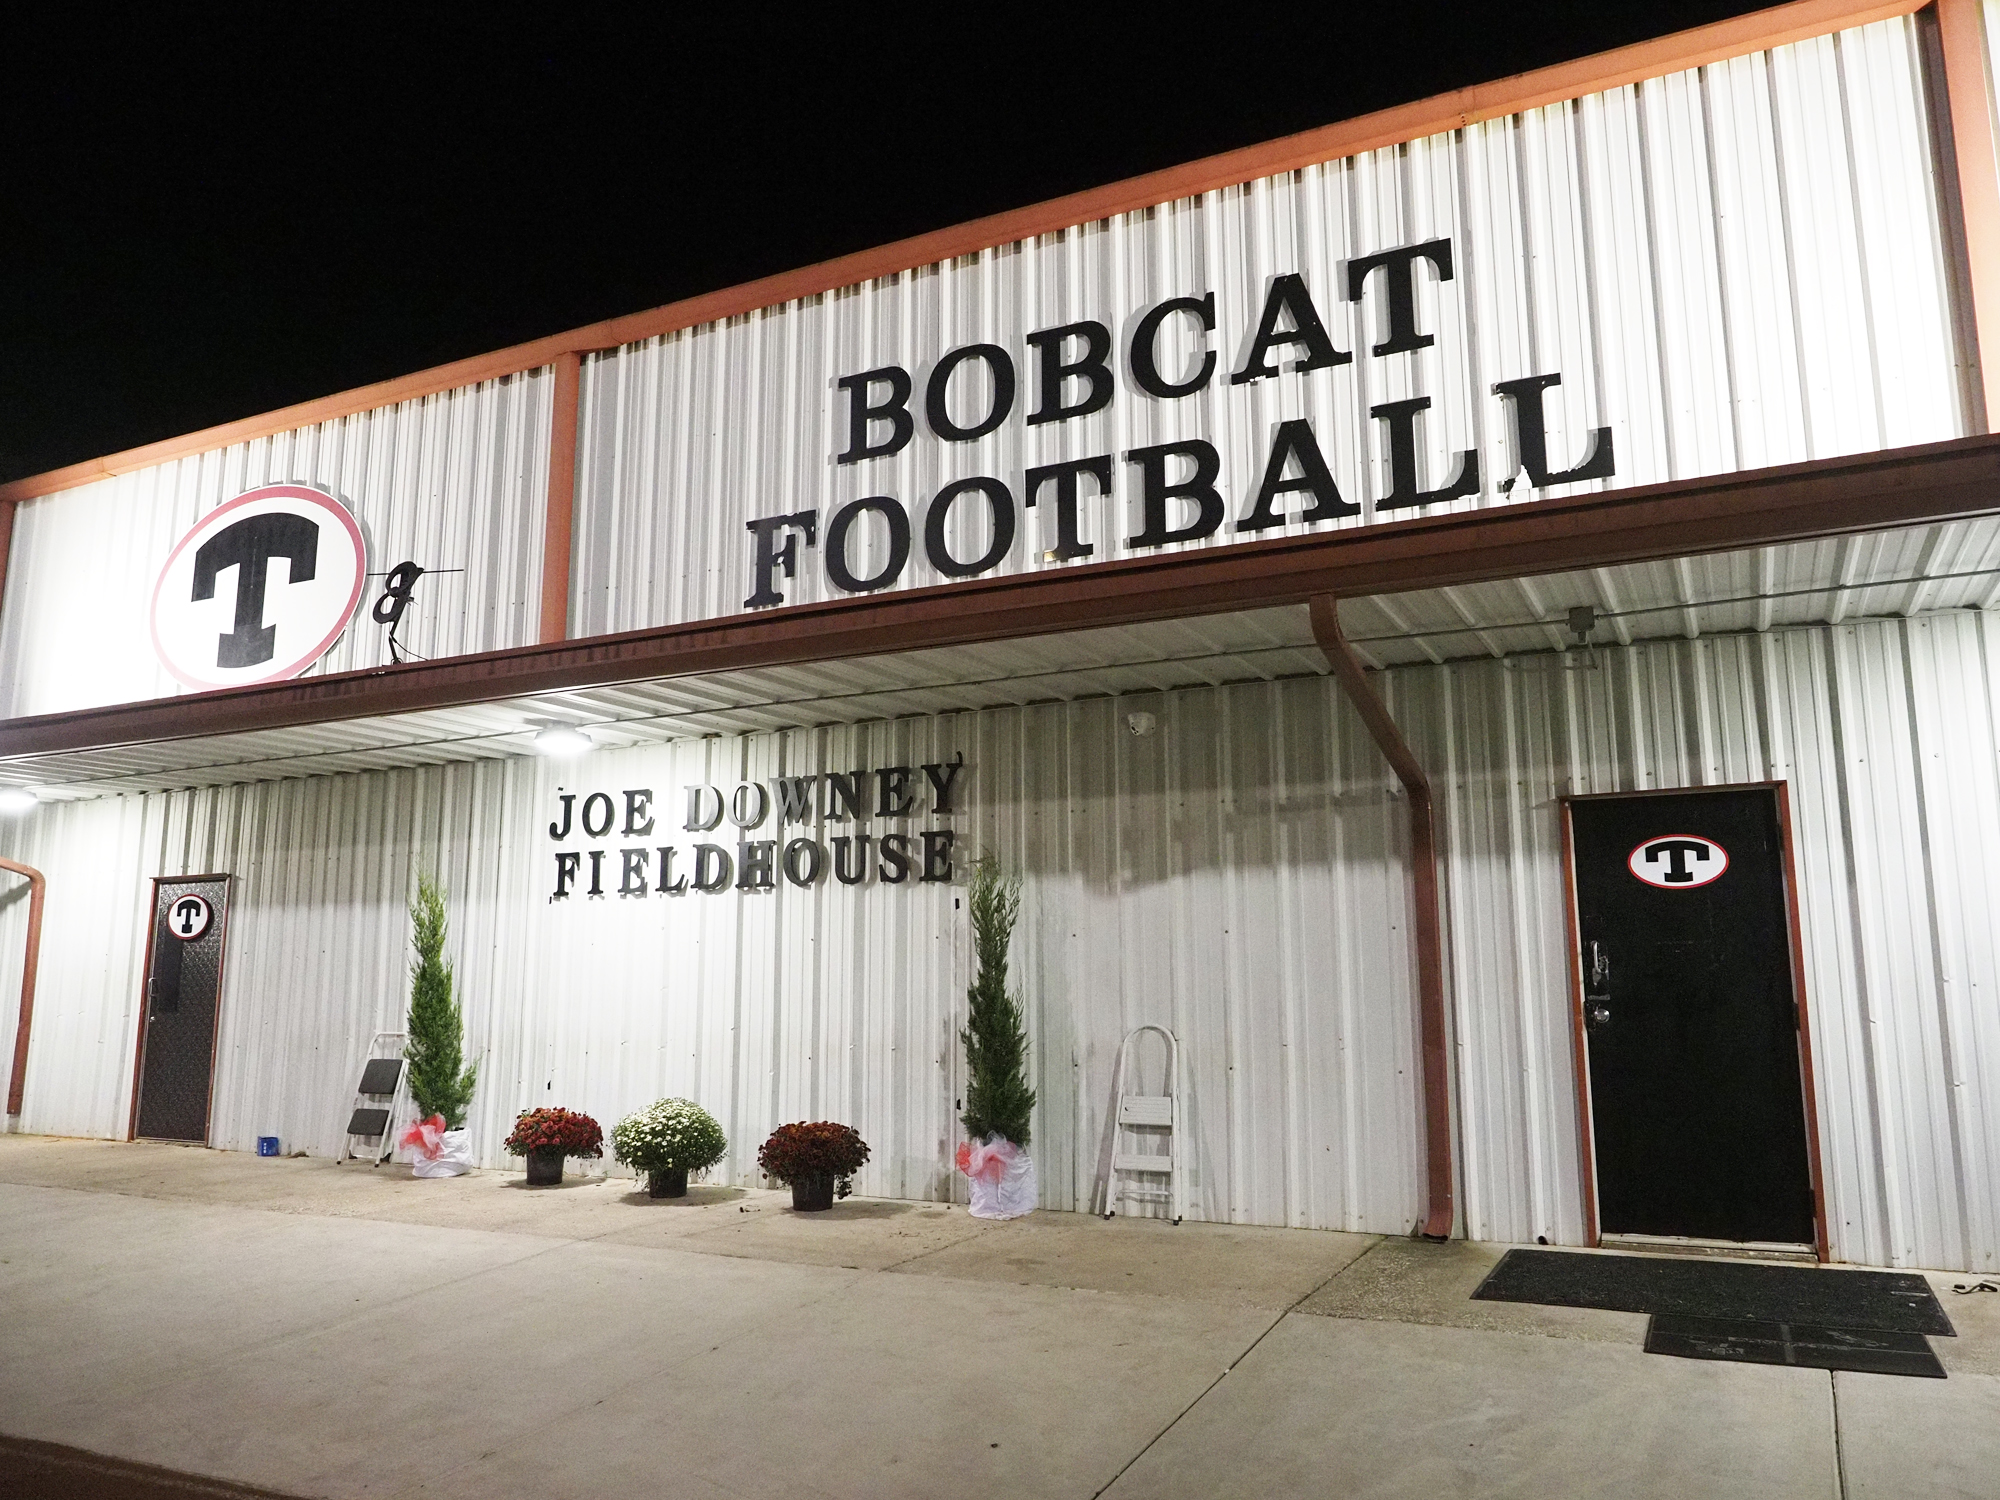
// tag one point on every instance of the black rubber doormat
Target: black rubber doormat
(1872, 1351)
(1885, 1301)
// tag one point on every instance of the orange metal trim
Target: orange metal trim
(6, 544)
(1821, 1241)
(145, 1005)
(556, 524)
(1626, 65)
(1586, 1125)
(1429, 928)
(38, 884)
(1962, 41)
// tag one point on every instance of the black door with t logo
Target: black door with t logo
(1690, 1018)
(177, 1028)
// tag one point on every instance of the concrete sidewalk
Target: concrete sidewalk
(342, 1331)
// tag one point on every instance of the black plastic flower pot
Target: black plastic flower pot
(544, 1168)
(668, 1182)
(811, 1194)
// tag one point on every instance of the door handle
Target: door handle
(1596, 1012)
(1600, 964)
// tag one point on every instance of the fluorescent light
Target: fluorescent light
(562, 739)
(16, 800)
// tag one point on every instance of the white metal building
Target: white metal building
(1300, 548)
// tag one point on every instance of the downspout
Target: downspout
(1429, 929)
(18, 1080)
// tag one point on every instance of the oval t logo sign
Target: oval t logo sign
(1678, 861)
(258, 589)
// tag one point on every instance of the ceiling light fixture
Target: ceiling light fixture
(562, 740)
(16, 800)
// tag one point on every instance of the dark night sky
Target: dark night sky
(210, 211)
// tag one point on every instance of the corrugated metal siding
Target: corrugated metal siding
(1215, 877)
(1240, 875)
(455, 480)
(1889, 735)
(1732, 267)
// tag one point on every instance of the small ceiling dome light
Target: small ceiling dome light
(15, 800)
(1141, 723)
(562, 740)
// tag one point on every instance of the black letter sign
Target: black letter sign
(1295, 443)
(1145, 348)
(1155, 492)
(1395, 266)
(1531, 435)
(895, 411)
(1090, 367)
(837, 567)
(1401, 419)
(1066, 475)
(1289, 298)
(998, 502)
(770, 558)
(936, 393)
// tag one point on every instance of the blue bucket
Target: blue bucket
(267, 1145)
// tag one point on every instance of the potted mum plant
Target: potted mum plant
(549, 1137)
(815, 1159)
(667, 1141)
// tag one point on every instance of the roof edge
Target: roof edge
(1934, 482)
(1756, 32)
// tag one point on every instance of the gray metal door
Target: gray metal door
(183, 990)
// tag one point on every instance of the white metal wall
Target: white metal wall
(1889, 735)
(455, 480)
(1239, 876)
(1731, 267)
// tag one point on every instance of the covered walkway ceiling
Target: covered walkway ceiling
(1892, 572)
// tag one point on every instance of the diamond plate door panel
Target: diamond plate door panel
(183, 990)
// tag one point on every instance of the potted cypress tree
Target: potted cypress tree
(440, 1083)
(998, 1101)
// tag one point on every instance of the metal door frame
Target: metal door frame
(1572, 927)
(145, 1001)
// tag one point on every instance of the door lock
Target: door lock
(1596, 1012)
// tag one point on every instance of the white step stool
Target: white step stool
(1147, 1112)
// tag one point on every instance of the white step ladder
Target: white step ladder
(1148, 1112)
(381, 1100)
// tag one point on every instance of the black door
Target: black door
(177, 1042)
(1689, 1016)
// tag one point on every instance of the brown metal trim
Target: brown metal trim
(38, 883)
(1428, 927)
(145, 1004)
(1756, 32)
(1672, 791)
(1579, 1046)
(7, 508)
(1962, 49)
(1935, 482)
(1822, 1243)
(558, 518)
(1788, 874)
